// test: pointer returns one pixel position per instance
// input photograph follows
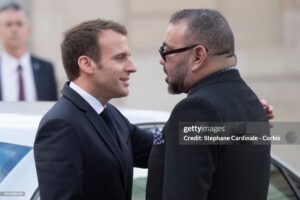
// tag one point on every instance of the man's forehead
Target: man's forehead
(112, 38)
(113, 41)
(178, 27)
(175, 33)
(9, 13)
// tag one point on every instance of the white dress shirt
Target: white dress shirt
(9, 77)
(96, 105)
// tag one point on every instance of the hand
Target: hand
(268, 108)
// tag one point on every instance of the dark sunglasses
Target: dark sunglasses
(163, 53)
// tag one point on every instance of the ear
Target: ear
(86, 64)
(200, 55)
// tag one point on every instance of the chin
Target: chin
(174, 90)
(171, 91)
(124, 93)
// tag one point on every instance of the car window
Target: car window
(151, 127)
(279, 188)
(36, 195)
(10, 155)
(296, 182)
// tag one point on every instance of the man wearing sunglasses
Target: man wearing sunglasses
(198, 57)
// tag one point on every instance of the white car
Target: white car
(18, 179)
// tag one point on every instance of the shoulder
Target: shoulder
(196, 108)
(194, 104)
(57, 120)
(41, 61)
(62, 110)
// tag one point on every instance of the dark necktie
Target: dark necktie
(107, 118)
(21, 84)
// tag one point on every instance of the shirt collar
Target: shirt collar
(23, 58)
(8, 58)
(94, 103)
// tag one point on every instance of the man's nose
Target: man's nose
(162, 61)
(131, 67)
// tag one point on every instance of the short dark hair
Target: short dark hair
(15, 7)
(83, 40)
(10, 6)
(208, 27)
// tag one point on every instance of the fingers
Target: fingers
(264, 103)
(269, 109)
(270, 112)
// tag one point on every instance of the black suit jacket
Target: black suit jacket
(211, 172)
(77, 158)
(44, 79)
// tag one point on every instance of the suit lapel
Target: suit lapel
(35, 66)
(124, 150)
(122, 137)
(105, 134)
(99, 125)
(107, 137)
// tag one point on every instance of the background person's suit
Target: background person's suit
(77, 157)
(211, 172)
(44, 80)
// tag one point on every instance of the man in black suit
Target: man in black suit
(85, 148)
(199, 59)
(23, 77)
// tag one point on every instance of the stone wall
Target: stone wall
(267, 42)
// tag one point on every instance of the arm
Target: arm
(58, 161)
(188, 168)
(142, 142)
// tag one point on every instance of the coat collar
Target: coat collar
(217, 77)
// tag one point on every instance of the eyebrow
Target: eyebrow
(122, 54)
(165, 44)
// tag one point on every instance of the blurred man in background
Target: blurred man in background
(23, 77)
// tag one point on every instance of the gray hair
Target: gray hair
(15, 7)
(207, 27)
(11, 6)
